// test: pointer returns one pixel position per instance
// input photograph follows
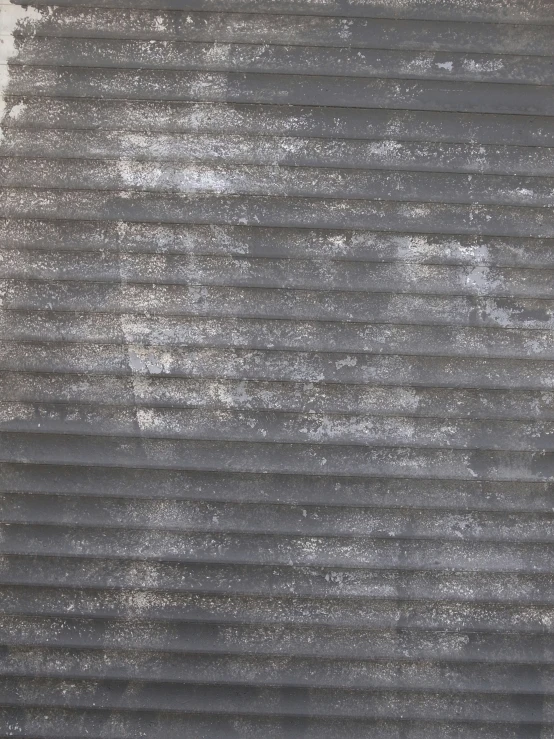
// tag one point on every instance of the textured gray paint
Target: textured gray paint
(276, 369)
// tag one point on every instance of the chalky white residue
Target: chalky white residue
(12, 18)
(480, 67)
(390, 151)
(345, 28)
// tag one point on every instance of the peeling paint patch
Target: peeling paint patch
(13, 18)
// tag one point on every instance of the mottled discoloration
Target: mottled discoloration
(276, 369)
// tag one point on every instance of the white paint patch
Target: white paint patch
(445, 65)
(482, 280)
(16, 111)
(346, 362)
(13, 18)
(146, 360)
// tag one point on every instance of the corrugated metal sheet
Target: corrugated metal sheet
(277, 391)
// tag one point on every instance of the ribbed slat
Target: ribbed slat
(401, 492)
(104, 615)
(285, 397)
(251, 87)
(372, 277)
(478, 253)
(152, 207)
(351, 306)
(322, 31)
(245, 700)
(119, 585)
(242, 518)
(402, 675)
(498, 11)
(281, 458)
(284, 335)
(340, 621)
(319, 121)
(324, 551)
(59, 723)
(277, 427)
(282, 151)
(290, 60)
(296, 182)
(358, 368)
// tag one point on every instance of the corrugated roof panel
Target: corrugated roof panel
(276, 378)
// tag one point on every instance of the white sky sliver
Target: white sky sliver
(12, 18)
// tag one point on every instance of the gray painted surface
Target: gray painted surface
(276, 377)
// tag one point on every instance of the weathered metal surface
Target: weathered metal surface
(276, 377)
